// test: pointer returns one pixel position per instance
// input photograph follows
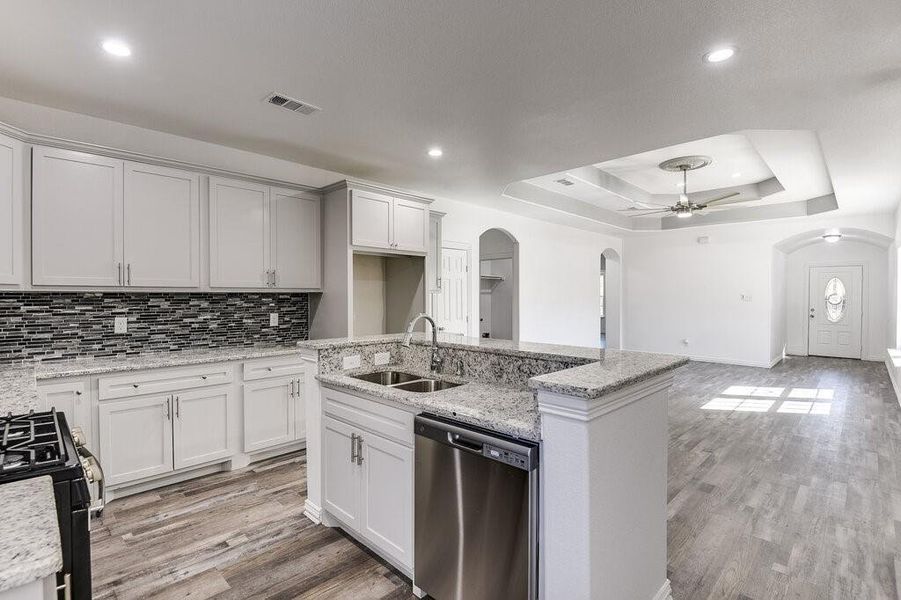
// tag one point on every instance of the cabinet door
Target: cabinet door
(268, 413)
(411, 225)
(239, 234)
(387, 497)
(162, 227)
(10, 210)
(71, 399)
(201, 426)
(341, 475)
(295, 239)
(135, 438)
(372, 219)
(77, 218)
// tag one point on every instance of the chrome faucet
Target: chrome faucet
(436, 361)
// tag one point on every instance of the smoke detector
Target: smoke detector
(292, 104)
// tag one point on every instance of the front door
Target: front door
(835, 311)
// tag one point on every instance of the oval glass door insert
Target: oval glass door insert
(836, 300)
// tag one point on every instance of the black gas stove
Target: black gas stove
(41, 443)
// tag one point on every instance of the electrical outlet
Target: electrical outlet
(120, 325)
(381, 358)
(352, 362)
(273, 319)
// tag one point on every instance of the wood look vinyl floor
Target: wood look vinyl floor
(783, 483)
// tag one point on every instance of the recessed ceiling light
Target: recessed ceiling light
(116, 47)
(832, 237)
(736, 175)
(719, 55)
(436, 152)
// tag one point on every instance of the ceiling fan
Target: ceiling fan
(685, 208)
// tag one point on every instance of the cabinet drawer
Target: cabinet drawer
(156, 382)
(263, 368)
(392, 423)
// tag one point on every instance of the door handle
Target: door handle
(353, 447)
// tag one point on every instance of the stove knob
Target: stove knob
(87, 465)
(77, 436)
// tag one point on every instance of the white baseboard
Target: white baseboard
(733, 361)
(894, 373)
(665, 592)
(312, 512)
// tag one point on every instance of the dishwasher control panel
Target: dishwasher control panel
(499, 454)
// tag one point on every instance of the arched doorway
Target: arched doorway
(611, 299)
(498, 285)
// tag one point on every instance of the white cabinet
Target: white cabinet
(76, 218)
(433, 260)
(11, 202)
(72, 399)
(368, 472)
(295, 247)
(263, 237)
(136, 438)
(202, 425)
(162, 227)
(269, 412)
(239, 234)
(98, 221)
(380, 221)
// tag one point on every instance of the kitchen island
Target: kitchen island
(601, 424)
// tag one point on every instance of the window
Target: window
(835, 300)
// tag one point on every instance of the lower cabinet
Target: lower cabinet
(154, 435)
(273, 412)
(369, 487)
(72, 399)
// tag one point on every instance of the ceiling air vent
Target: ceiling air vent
(292, 104)
(566, 182)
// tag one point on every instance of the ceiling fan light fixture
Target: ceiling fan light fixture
(684, 214)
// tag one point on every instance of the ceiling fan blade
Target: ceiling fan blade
(720, 199)
(653, 212)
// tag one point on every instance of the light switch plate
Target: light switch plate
(352, 362)
(381, 358)
(120, 325)
(273, 319)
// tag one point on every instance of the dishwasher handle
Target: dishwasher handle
(455, 439)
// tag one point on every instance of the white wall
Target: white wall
(559, 287)
(779, 307)
(874, 260)
(676, 288)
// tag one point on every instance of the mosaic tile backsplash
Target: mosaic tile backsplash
(59, 325)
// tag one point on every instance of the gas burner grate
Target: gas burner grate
(30, 441)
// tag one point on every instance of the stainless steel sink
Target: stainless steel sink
(427, 385)
(388, 377)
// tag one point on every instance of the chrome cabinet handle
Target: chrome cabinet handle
(359, 450)
(128, 270)
(78, 392)
(353, 447)
(119, 273)
(177, 407)
(169, 408)
(274, 277)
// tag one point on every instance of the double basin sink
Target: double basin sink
(407, 381)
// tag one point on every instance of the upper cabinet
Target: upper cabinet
(11, 202)
(77, 219)
(263, 237)
(380, 221)
(99, 221)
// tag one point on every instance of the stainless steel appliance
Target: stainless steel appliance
(476, 513)
(40, 443)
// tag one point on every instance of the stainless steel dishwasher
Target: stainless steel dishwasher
(476, 534)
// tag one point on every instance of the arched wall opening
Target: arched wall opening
(498, 285)
(796, 298)
(611, 299)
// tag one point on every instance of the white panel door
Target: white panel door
(295, 239)
(135, 438)
(341, 474)
(202, 425)
(239, 233)
(268, 413)
(76, 218)
(71, 399)
(411, 225)
(452, 304)
(162, 227)
(835, 311)
(11, 203)
(372, 219)
(388, 497)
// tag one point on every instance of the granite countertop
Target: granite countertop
(618, 370)
(505, 410)
(29, 539)
(450, 340)
(18, 392)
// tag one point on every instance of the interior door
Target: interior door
(341, 495)
(295, 239)
(162, 226)
(76, 218)
(135, 438)
(239, 233)
(835, 311)
(268, 413)
(452, 303)
(201, 426)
